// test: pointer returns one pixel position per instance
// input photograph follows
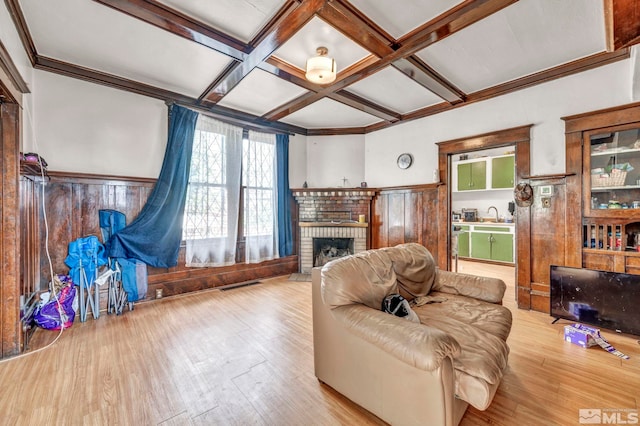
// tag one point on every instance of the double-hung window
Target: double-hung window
(259, 201)
(225, 170)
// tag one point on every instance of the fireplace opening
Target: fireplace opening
(327, 249)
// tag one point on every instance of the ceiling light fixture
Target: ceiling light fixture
(321, 69)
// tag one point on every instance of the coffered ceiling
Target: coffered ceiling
(244, 60)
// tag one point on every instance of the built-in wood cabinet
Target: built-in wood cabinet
(603, 151)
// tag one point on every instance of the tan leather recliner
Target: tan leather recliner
(404, 372)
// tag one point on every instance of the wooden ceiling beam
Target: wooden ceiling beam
(450, 22)
(109, 80)
(425, 76)
(341, 14)
(161, 16)
(296, 76)
(564, 70)
(355, 27)
(351, 22)
(273, 38)
(359, 103)
(13, 6)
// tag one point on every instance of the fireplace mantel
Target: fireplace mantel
(333, 224)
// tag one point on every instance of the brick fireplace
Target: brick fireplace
(330, 218)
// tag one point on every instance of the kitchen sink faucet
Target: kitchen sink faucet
(496, 209)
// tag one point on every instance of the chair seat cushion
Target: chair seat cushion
(481, 329)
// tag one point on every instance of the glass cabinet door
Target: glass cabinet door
(612, 173)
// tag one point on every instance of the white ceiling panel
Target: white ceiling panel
(251, 15)
(258, 92)
(524, 38)
(394, 90)
(328, 113)
(97, 37)
(403, 16)
(318, 33)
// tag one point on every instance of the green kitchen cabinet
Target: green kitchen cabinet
(502, 247)
(472, 175)
(493, 243)
(463, 242)
(502, 172)
(481, 245)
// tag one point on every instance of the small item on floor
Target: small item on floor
(579, 336)
(397, 305)
(57, 311)
(584, 336)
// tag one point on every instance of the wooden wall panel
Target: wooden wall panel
(431, 227)
(29, 249)
(10, 334)
(396, 218)
(379, 221)
(602, 262)
(406, 214)
(548, 233)
(73, 202)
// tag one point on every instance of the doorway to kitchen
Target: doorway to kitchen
(483, 227)
(483, 207)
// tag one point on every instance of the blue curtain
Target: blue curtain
(155, 234)
(285, 234)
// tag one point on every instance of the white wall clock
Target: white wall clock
(405, 160)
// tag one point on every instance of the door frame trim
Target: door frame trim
(520, 137)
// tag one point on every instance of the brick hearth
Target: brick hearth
(331, 213)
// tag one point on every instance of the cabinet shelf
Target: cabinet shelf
(628, 252)
(613, 188)
(615, 151)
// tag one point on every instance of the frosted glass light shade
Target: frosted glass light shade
(321, 69)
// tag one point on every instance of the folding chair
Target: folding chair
(112, 221)
(85, 256)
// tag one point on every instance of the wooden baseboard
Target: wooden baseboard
(198, 279)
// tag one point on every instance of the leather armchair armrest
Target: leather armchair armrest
(482, 288)
(416, 344)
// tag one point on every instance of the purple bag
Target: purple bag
(48, 316)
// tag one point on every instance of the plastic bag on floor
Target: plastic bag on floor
(52, 314)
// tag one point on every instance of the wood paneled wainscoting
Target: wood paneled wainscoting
(407, 215)
(548, 222)
(10, 334)
(73, 201)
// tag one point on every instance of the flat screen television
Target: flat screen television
(605, 299)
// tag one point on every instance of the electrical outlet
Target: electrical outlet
(546, 202)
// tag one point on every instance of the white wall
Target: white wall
(297, 160)
(540, 105)
(87, 128)
(332, 158)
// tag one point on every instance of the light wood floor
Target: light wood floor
(245, 357)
